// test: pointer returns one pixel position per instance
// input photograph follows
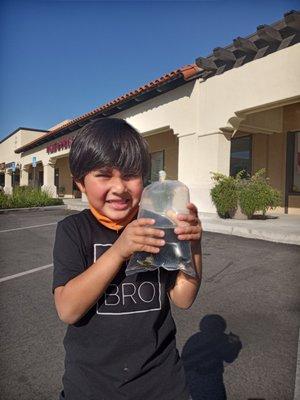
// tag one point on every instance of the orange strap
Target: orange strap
(116, 226)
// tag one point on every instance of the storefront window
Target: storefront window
(2, 179)
(241, 155)
(296, 164)
(157, 164)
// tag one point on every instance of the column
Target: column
(84, 198)
(8, 186)
(48, 185)
(24, 176)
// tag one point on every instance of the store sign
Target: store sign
(11, 165)
(60, 145)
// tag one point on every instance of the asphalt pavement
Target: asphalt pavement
(252, 284)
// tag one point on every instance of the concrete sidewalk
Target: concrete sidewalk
(281, 228)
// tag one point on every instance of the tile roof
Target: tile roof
(266, 40)
(181, 75)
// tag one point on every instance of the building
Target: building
(10, 165)
(238, 108)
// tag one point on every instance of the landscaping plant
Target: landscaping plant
(26, 196)
(253, 194)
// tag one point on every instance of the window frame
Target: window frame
(250, 136)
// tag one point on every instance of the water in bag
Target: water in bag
(163, 201)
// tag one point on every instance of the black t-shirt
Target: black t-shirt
(124, 347)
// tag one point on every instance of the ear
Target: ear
(80, 186)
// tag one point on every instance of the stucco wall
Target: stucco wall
(168, 142)
(65, 178)
(8, 147)
(40, 152)
(269, 151)
(291, 123)
(271, 80)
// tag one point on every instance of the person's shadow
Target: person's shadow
(203, 358)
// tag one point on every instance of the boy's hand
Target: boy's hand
(189, 225)
(138, 236)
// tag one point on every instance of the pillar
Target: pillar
(48, 185)
(84, 198)
(8, 186)
(24, 177)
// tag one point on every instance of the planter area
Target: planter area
(242, 197)
(26, 196)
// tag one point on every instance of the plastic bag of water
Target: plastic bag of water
(163, 201)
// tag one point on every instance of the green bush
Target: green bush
(254, 194)
(224, 194)
(258, 195)
(26, 196)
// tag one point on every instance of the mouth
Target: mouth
(118, 204)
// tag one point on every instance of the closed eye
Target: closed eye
(129, 177)
(99, 175)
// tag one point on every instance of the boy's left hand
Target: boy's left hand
(189, 226)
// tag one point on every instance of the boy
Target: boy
(120, 342)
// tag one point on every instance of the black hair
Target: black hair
(109, 142)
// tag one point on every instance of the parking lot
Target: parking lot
(252, 284)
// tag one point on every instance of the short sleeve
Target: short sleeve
(171, 279)
(68, 255)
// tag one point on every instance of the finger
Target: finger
(180, 230)
(149, 241)
(191, 218)
(192, 207)
(145, 231)
(143, 222)
(191, 236)
(149, 249)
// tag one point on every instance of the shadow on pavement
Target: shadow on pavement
(203, 358)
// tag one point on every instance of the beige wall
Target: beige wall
(168, 142)
(269, 151)
(9, 145)
(38, 168)
(291, 122)
(65, 178)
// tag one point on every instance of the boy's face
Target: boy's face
(111, 192)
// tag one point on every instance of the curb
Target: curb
(47, 208)
(252, 233)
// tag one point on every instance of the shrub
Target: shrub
(224, 194)
(252, 193)
(258, 195)
(26, 196)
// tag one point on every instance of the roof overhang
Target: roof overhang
(152, 89)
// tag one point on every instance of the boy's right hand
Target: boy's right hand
(139, 236)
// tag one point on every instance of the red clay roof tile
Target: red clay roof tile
(188, 71)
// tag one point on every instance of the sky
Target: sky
(61, 59)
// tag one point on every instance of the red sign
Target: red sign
(61, 145)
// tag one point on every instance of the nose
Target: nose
(118, 185)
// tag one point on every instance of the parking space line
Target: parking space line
(30, 271)
(27, 227)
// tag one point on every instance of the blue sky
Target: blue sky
(60, 59)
